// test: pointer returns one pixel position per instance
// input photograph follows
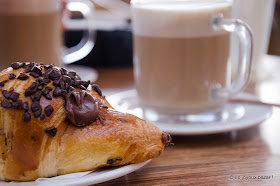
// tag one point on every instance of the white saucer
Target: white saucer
(238, 115)
(82, 178)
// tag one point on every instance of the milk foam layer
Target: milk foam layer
(177, 19)
(28, 6)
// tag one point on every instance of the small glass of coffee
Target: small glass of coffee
(31, 30)
(182, 59)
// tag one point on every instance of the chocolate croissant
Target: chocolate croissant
(53, 123)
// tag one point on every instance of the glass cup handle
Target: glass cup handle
(245, 39)
(84, 47)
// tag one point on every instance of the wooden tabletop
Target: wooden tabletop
(245, 157)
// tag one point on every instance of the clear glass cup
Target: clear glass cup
(31, 30)
(182, 63)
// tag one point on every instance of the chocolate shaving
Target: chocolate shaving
(12, 76)
(2, 83)
(97, 89)
(16, 65)
(23, 76)
(51, 131)
(6, 104)
(26, 117)
(48, 110)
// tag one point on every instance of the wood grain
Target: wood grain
(219, 159)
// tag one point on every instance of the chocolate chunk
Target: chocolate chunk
(97, 89)
(81, 108)
(35, 75)
(48, 96)
(66, 79)
(37, 70)
(16, 65)
(55, 74)
(62, 84)
(48, 66)
(122, 120)
(6, 104)
(36, 97)
(35, 106)
(81, 87)
(63, 71)
(25, 106)
(48, 110)
(2, 83)
(56, 82)
(29, 92)
(29, 67)
(51, 131)
(104, 106)
(57, 92)
(23, 76)
(26, 117)
(37, 113)
(12, 76)
(40, 80)
(42, 116)
(46, 81)
(77, 82)
(17, 104)
(47, 90)
(86, 83)
(34, 85)
(7, 94)
(14, 96)
(119, 159)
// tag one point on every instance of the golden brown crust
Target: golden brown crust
(27, 152)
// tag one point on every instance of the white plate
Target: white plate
(83, 178)
(238, 115)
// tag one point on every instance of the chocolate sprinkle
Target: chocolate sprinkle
(34, 74)
(14, 96)
(35, 106)
(57, 92)
(37, 113)
(17, 104)
(6, 104)
(16, 65)
(97, 89)
(48, 110)
(7, 94)
(23, 76)
(12, 76)
(51, 131)
(2, 83)
(26, 117)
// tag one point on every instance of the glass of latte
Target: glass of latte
(31, 30)
(182, 58)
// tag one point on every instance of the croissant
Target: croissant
(52, 123)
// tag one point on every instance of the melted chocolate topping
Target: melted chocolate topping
(81, 108)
